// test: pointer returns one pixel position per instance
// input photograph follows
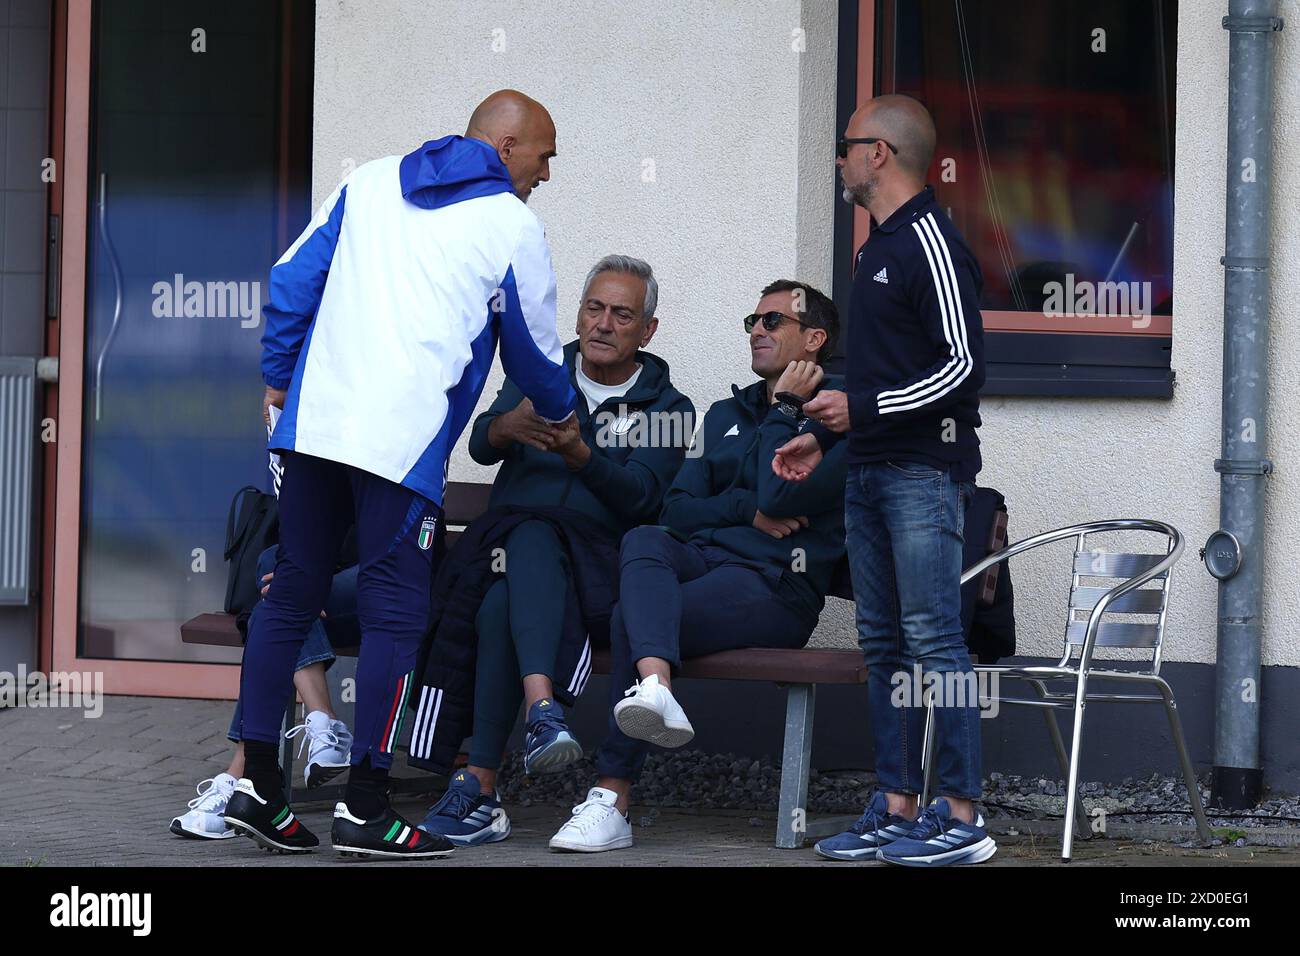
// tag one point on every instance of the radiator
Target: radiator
(18, 437)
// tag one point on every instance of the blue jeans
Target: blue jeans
(338, 629)
(904, 539)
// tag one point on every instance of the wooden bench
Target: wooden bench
(799, 671)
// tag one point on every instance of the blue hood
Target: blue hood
(451, 170)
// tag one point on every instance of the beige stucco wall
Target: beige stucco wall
(696, 135)
(1065, 460)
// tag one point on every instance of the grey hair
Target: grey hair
(637, 267)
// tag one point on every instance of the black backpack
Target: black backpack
(988, 603)
(252, 527)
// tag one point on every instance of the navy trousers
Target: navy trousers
(396, 531)
(337, 629)
(681, 599)
(519, 626)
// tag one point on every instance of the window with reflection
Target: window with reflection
(1055, 143)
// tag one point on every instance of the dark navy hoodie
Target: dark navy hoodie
(620, 486)
(715, 495)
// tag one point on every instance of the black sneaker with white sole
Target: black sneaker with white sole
(268, 820)
(387, 836)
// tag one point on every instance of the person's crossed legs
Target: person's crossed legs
(676, 600)
(519, 624)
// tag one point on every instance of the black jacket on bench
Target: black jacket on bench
(444, 702)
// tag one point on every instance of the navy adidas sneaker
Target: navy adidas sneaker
(549, 746)
(465, 815)
(940, 839)
(876, 828)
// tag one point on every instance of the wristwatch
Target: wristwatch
(788, 403)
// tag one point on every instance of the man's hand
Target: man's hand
(569, 444)
(802, 378)
(272, 396)
(521, 424)
(778, 527)
(831, 408)
(796, 459)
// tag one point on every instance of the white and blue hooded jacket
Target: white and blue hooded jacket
(383, 317)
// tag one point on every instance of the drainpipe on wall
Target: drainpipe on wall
(1235, 553)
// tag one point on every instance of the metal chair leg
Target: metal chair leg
(1083, 827)
(1072, 781)
(1185, 761)
(796, 764)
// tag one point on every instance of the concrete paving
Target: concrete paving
(100, 792)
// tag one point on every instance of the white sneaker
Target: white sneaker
(650, 712)
(595, 825)
(206, 819)
(328, 744)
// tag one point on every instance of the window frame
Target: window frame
(1026, 353)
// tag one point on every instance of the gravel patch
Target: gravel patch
(1149, 800)
(693, 779)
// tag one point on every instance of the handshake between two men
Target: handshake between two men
(522, 424)
(794, 461)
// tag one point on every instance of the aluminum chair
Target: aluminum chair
(1087, 629)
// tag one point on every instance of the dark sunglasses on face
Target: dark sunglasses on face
(771, 321)
(842, 147)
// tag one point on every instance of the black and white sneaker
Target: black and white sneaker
(387, 836)
(268, 821)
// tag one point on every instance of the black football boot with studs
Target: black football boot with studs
(268, 820)
(385, 836)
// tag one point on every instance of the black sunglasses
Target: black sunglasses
(771, 321)
(842, 147)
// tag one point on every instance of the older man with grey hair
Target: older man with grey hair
(607, 470)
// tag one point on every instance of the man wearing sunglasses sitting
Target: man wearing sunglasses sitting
(742, 558)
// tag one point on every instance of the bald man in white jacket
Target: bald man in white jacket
(381, 327)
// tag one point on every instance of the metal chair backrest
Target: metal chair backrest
(1124, 574)
(1097, 573)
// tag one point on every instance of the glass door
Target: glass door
(198, 179)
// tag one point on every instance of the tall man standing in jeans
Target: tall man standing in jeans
(915, 364)
(382, 323)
